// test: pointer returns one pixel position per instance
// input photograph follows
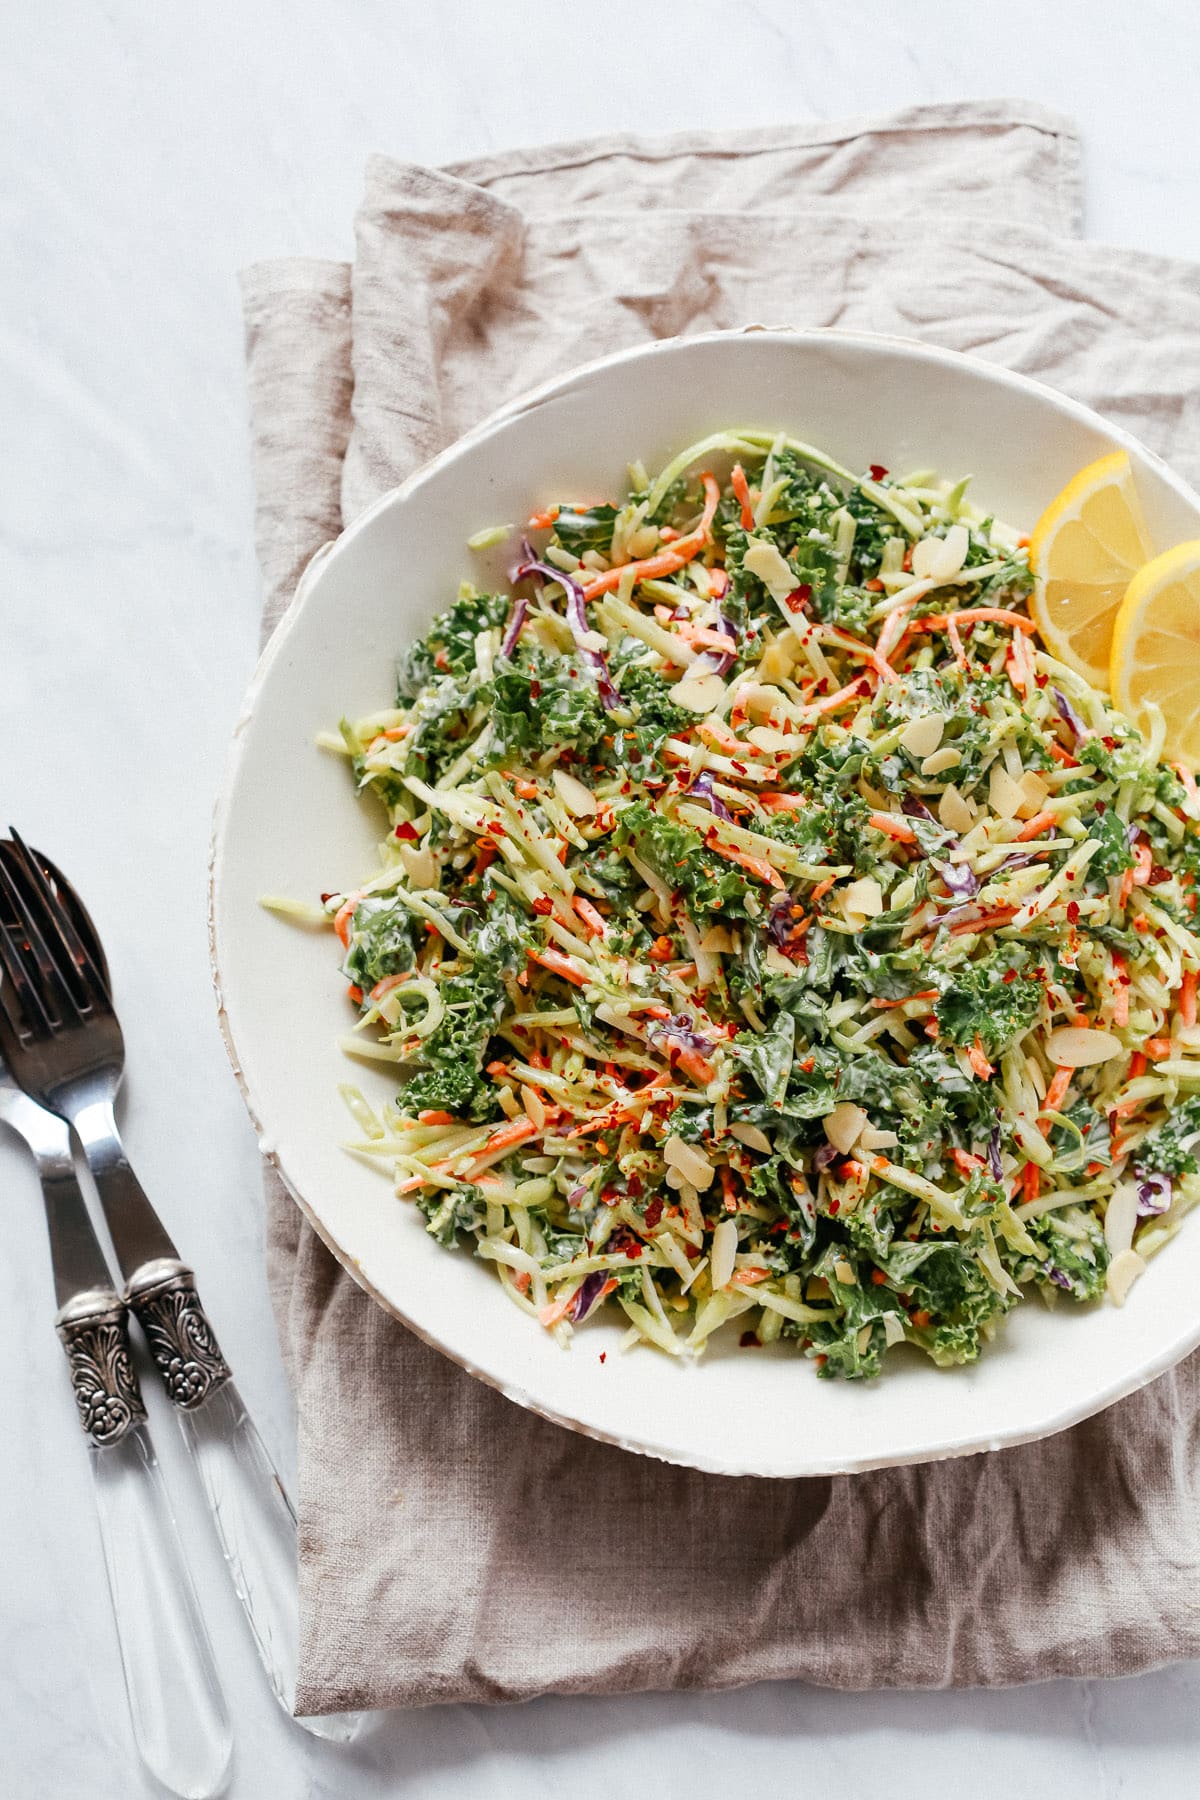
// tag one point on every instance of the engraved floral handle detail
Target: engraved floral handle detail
(182, 1342)
(93, 1332)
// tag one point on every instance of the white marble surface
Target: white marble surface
(148, 151)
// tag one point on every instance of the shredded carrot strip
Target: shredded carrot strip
(1000, 916)
(591, 918)
(854, 647)
(653, 568)
(388, 983)
(1143, 864)
(1031, 1181)
(892, 827)
(435, 1117)
(1120, 991)
(747, 1277)
(741, 488)
(1157, 1048)
(541, 521)
(773, 803)
(506, 1137)
(697, 1066)
(1061, 755)
(858, 689)
(1035, 827)
(753, 865)
(559, 965)
(1137, 1065)
(1189, 781)
(1187, 997)
(979, 1061)
(1056, 1093)
(999, 615)
(342, 918)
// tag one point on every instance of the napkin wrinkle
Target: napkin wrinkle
(453, 1546)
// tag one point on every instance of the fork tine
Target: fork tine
(39, 966)
(57, 914)
(29, 1014)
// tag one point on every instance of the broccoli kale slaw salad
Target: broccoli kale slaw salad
(769, 934)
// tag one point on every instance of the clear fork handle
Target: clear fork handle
(176, 1706)
(257, 1528)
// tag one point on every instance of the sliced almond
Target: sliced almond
(862, 899)
(718, 940)
(893, 1329)
(535, 1110)
(941, 558)
(1080, 1046)
(1123, 1271)
(765, 737)
(723, 1254)
(579, 801)
(1034, 794)
(872, 1138)
(844, 1125)
(699, 693)
(954, 812)
(1004, 794)
(922, 736)
(1120, 1218)
(940, 761)
(690, 1161)
(779, 657)
(764, 560)
(419, 865)
(904, 892)
(752, 1137)
(844, 1272)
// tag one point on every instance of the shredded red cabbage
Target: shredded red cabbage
(1154, 1194)
(715, 662)
(678, 1030)
(577, 620)
(702, 789)
(512, 630)
(586, 1295)
(1068, 714)
(959, 879)
(993, 1152)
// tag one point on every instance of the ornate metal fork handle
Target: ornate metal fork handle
(93, 1331)
(162, 1294)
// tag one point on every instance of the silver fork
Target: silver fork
(67, 1052)
(176, 1707)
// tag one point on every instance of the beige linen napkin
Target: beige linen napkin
(454, 1547)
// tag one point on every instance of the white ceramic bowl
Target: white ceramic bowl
(287, 822)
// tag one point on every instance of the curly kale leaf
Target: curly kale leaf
(1169, 1150)
(991, 1000)
(451, 1213)
(448, 647)
(580, 528)
(1114, 855)
(544, 702)
(382, 942)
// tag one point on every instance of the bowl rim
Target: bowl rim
(1054, 1420)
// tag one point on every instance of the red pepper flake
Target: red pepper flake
(604, 1356)
(878, 1277)
(1110, 743)
(654, 1212)
(1073, 911)
(441, 660)
(750, 1340)
(325, 899)
(1101, 809)
(877, 471)
(1040, 680)
(1009, 975)
(821, 1360)
(542, 906)
(535, 690)
(355, 993)
(799, 597)
(430, 927)
(835, 1206)
(406, 833)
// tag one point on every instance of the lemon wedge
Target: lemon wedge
(1156, 649)
(1084, 551)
